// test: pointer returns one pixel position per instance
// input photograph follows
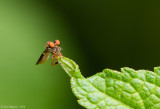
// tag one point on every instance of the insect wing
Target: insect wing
(43, 58)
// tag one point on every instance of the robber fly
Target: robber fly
(54, 49)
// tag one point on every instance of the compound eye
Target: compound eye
(51, 44)
(57, 42)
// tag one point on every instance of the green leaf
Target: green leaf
(110, 89)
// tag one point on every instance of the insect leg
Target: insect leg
(53, 61)
(57, 60)
(58, 54)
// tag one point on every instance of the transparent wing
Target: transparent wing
(43, 58)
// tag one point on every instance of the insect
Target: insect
(54, 49)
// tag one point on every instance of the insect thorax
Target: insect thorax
(55, 49)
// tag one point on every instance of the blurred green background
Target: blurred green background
(96, 34)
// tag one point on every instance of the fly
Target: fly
(51, 48)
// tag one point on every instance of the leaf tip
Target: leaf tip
(70, 67)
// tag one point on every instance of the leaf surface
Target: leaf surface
(110, 89)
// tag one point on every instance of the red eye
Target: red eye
(51, 44)
(57, 42)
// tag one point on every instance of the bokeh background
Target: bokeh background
(96, 34)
